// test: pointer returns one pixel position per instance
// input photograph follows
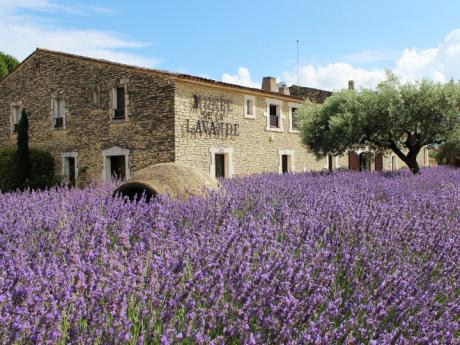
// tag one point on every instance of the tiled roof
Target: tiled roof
(157, 71)
(314, 95)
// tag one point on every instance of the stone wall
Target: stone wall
(148, 131)
(255, 149)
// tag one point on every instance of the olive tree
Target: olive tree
(401, 117)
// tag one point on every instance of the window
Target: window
(286, 161)
(119, 102)
(249, 107)
(293, 119)
(293, 125)
(58, 110)
(115, 164)
(16, 113)
(393, 163)
(274, 115)
(221, 162)
(69, 168)
(118, 167)
(284, 164)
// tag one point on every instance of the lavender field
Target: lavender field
(346, 258)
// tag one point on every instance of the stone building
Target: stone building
(102, 119)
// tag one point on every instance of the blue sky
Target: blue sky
(242, 41)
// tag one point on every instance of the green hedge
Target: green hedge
(42, 169)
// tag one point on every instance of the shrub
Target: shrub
(7, 164)
(449, 154)
(42, 170)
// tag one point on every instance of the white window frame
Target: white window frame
(279, 105)
(326, 163)
(113, 99)
(65, 166)
(14, 114)
(114, 151)
(426, 157)
(395, 166)
(291, 114)
(251, 99)
(55, 113)
(291, 160)
(228, 159)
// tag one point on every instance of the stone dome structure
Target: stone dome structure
(176, 179)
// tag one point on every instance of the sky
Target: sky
(240, 41)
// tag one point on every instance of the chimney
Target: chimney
(283, 88)
(351, 85)
(269, 84)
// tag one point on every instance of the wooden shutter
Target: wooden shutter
(379, 162)
(353, 161)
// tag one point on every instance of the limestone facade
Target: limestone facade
(92, 115)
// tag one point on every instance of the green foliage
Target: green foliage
(42, 170)
(22, 165)
(395, 116)
(449, 154)
(7, 64)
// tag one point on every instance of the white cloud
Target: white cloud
(334, 76)
(243, 77)
(21, 34)
(440, 63)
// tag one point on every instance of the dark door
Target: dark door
(364, 162)
(329, 162)
(353, 161)
(220, 165)
(284, 164)
(378, 162)
(118, 167)
(72, 171)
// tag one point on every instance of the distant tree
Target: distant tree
(449, 153)
(399, 117)
(7, 64)
(22, 153)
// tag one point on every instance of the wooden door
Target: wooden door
(378, 162)
(353, 161)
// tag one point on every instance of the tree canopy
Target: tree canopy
(401, 117)
(7, 64)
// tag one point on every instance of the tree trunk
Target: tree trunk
(410, 159)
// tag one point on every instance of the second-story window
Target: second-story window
(293, 119)
(274, 116)
(119, 102)
(58, 105)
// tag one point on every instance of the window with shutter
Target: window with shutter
(119, 103)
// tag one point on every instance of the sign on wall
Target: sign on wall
(213, 113)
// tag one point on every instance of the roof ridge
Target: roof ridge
(172, 74)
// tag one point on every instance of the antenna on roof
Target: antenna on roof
(298, 62)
